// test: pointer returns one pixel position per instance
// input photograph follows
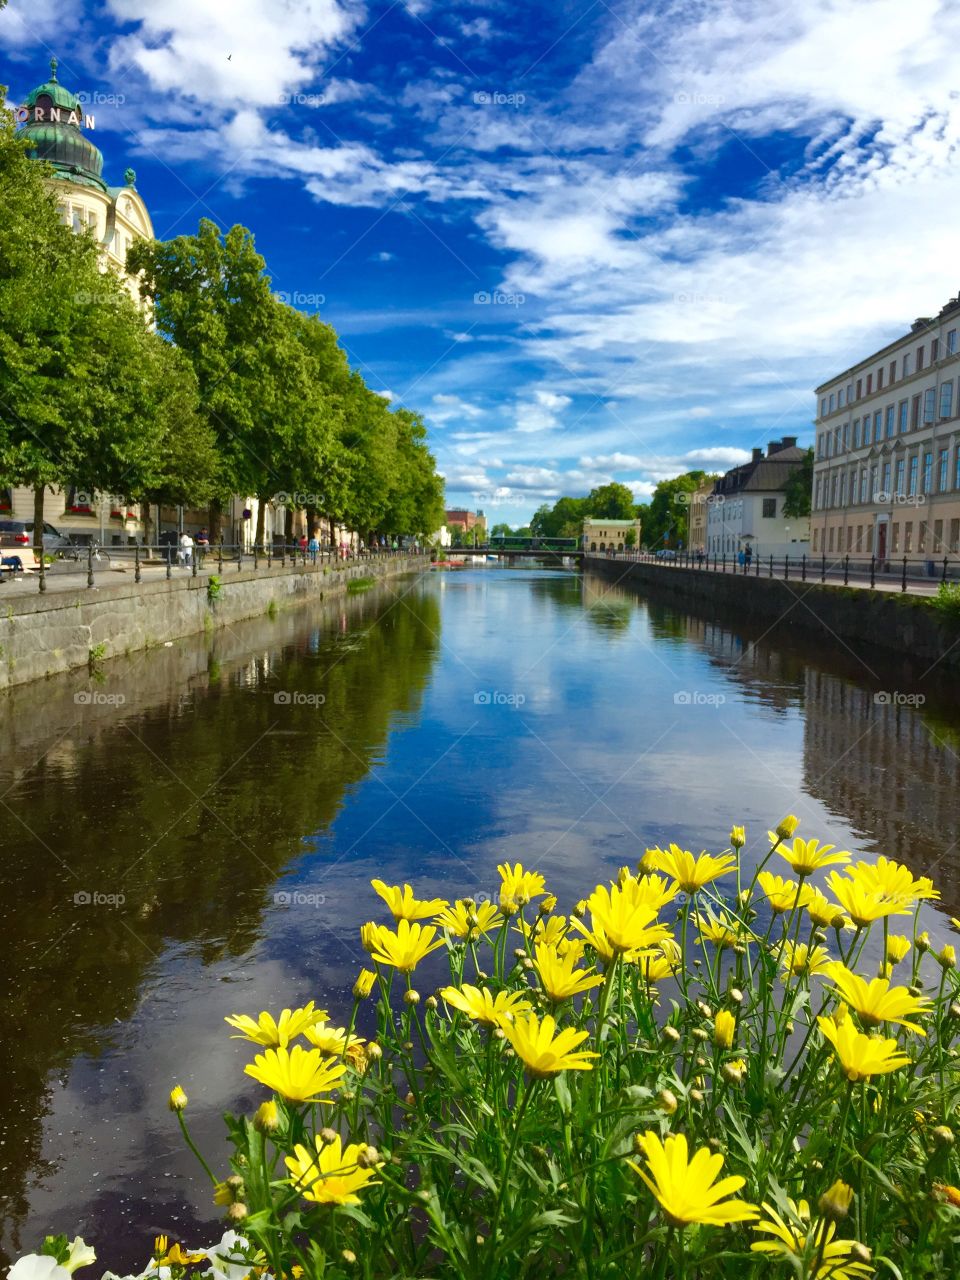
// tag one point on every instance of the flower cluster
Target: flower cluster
(664, 1078)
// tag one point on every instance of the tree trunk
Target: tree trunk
(288, 526)
(261, 518)
(38, 495)
(312, 521)
(215, 520)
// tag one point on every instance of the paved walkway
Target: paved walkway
(918, 582)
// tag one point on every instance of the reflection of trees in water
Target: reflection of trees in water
(607, 606)
(194, 859)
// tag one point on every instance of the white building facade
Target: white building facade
(746, 508)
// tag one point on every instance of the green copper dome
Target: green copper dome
(52, 131)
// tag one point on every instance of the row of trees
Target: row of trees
(233, 392)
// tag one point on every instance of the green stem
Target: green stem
(193, 1147)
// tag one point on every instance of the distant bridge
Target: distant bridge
(529, 548)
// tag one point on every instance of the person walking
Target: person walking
(313, 547)
(203, 542)
(186, 548)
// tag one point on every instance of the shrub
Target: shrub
(699, 1072)
(947, 600)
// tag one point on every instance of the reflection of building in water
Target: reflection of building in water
(888, 773)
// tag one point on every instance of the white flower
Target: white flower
(37, 1266)
(225, 1260)
(80, 1255)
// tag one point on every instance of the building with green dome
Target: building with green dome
(57, 128)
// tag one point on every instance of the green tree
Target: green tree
(667, 521)
(798, 493)
(612, 501)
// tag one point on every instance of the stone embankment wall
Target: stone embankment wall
(60, 630)
(837, 616)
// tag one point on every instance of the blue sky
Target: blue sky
(588, 241)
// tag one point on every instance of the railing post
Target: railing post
(239, 556)
(270, 554)
(136, 562)
(943, 577)
(220, 555)
(786, 566)
(846, 570)
(803, 567)
(873, 572)
(756, 572)
(823, 567)
(283, 554)
(90, 565)
(903, 581)
(256, 557)
(723, 563)
(169, 560)
(771, 565)
(194, 562)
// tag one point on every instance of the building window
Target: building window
(846, 436)
(954, 536)
(951, 341)
(859, 537)
(956, 470)
(914, 468)
(769, 508)
(934, 350)
(823, 407)
(879, 388)
(885, 485)
(915, 413)
(856, 433)
(817, 491)
(873, 484)
(863, 485)
(900, 469)
(833, 400)
(888, 424)
(893, 370)
(942, 471)
(877, 425)
(816, 538)
(921, 537)
(929, 403)
(895, 538)
(908, 536)
(840, 398)
(859, 387)
(938, 535)
(906, 365)
(833, 489)
(946, 400)
(927, 472)
(830, 540)
(869, 383)
(904, 414)
(919, 366)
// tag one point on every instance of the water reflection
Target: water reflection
(248, 788)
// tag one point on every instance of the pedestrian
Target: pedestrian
(748, 554)
(741, 558)
(203, 542)
(313, 546)
(186, 548)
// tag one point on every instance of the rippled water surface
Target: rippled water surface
(194, 835)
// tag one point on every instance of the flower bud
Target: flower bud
(411, 997)
(328, 1134)
(267, 1118)
(519, 953)
(738, 837)
(409, 1099)
(348, 1256)
(914, 989)
(374, 1051)
(705, 1009)
(431, 1002)
(943, 1136)
(819, 937)
(724, 1026)
(368, 936)
(178, 1099)
(667, 1101)
(368, 1157)
(948, 957)
(701, 1062)
(787, 826)
(835, 1202)
(860, 1253)
(527, 964)
(713, 1144)
(923, 942)
(732, 1073)
(699, 1033)
(695, 1096)
(580, 910)
(736, 995)
(237, 1212)
(954, 1010)
(670, 1033)
(548, 904)
(364, 984)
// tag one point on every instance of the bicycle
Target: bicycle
(100, 553)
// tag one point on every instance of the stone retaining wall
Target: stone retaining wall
(57, 631)
(836, 616)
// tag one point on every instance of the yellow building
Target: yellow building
(610, 535)
(55, 126)
(697, 523)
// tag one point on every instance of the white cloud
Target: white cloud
(542, 412)
(446, 408)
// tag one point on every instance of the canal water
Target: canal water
(191, 832)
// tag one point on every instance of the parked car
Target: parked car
(16, 538)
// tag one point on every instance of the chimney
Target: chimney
(789, 442)
(757, 455)
(773, 446)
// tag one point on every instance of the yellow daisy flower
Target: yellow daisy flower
(478, 1003)
(457, 919)
(797, 1239)
(404, 948)
(558, 976)
(862, 903)
(876, 1002)
(862, 1056)
(276, 1034)
(807, 856)
(799, 959)
(331, 1040)
(624, 924)
(545, 1051)
(332, 1173)
(693, 873)
(298, 1074)
(687, 1190)
(518, 887)
(783, 895)
(402, 903)
(893, 880)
